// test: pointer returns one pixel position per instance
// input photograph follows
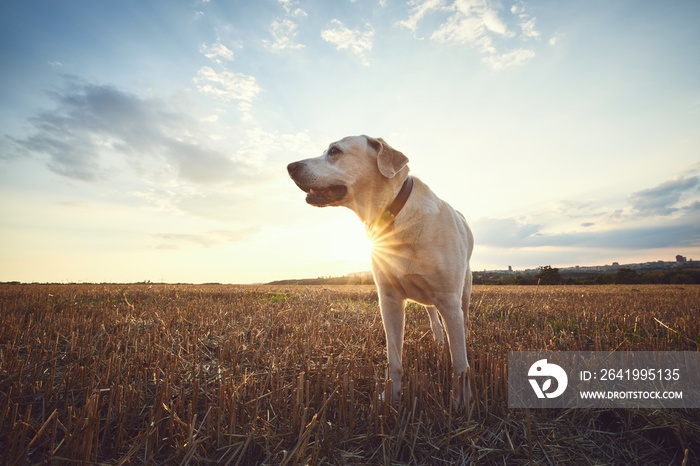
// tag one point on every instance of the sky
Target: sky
(148, 140)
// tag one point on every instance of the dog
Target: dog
(421, 245)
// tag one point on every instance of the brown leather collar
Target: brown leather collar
(386, 219)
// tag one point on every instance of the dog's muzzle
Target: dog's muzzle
(316, 196)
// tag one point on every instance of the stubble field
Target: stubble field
(237, 375)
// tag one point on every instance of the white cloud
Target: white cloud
(528, 28)
(260, 145)
(479, 24)
(290, 7)
(527, 23)
(494, 23)
(206, 239)
(555, 39)
(420, 8)
(518, 8)
(506, 232)
(469, 22)
(217, 52)
(509, 59)
(260, 180)
(228, 85)
(283, 32)
(359, 43)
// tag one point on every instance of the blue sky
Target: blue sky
(149, 140)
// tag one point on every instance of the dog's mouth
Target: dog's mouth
(324, 197)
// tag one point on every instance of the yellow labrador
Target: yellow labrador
(421, 245)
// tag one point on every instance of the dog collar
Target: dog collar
(395, 207)
(387, 217)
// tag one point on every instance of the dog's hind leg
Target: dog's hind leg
(466, 297)
(453, 319)
(435, 324)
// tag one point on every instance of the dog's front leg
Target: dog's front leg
(392, 308)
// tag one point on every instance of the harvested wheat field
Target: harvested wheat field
(240, 375)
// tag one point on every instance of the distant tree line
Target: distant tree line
(346, 280)
(548, 275)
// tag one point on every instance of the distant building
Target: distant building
(681, 259)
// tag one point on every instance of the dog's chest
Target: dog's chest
(404, 275)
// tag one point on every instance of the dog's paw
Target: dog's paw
(388, 397)
(382, 397)
(462, 391)
(391, 394)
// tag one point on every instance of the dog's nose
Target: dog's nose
(292, 167)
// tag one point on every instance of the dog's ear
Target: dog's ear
(389, 160)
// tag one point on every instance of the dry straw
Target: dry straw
(159, 374)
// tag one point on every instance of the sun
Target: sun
(353, 244)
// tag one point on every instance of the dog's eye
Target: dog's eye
(333, 151)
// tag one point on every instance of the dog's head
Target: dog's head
(355, 172)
